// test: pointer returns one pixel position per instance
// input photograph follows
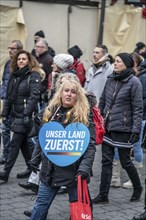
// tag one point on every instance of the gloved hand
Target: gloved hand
(27, 121)
(134, 138)
(5, 120)
(34, 168)
(82, 174)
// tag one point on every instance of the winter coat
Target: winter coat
(80, 71)
(5, 78)
(126, 113)
(96, 79)
(60, 176)
(142, 78)
(45, 60)
(50, 50)
(23, 94)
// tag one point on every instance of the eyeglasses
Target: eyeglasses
(12, 48)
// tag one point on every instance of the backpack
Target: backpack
(99, 125)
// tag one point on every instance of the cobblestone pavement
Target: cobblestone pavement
(14, 200)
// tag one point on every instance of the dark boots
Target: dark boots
(4, 176)
(100, 199)
(140, 217)
(136, 194)
(24, 174)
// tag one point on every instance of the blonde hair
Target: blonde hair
(79, 112)
(65, 76)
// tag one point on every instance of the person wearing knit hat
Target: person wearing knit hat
(121, 105)
(127, 59)
(63, 61)
(40, 34)
(78, 66)
(75, 51)
(140, 48)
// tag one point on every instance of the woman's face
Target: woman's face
(22, 60)
(68, 96)
(119, 65)
(54, 67)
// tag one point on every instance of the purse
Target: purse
(81, 210)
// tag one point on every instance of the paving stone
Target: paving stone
(14, 200)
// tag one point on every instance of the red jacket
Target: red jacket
(80, 71)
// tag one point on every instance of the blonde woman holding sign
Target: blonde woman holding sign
(69, 108)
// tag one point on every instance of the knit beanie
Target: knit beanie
(63, 61)
(40, 34)
(140, 45)
(127, 59)
(75, 51)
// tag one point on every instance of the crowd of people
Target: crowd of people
(43, 86)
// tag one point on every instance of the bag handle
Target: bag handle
(83, 191)
(79, 188)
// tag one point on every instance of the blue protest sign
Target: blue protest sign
(64, 146)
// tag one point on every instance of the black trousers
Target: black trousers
(19, 141)
(107, 163)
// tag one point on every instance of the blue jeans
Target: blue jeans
(137, 148)
(45, 197)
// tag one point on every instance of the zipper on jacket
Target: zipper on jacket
(24, 103)
(115, 89)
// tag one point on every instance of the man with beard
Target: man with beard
(97, 74)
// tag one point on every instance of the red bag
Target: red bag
(81, 210)
(99, 125)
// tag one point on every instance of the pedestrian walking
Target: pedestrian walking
(13, 48)
(121, 105)
(23, 95)
(68, 105)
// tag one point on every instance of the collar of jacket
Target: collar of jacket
(97, 70)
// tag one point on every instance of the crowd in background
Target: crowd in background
(32, 84)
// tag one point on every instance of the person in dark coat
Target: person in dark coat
(23, 94)
(13, 48)
(122, 123)
(45, 60)
(68, 105)
(37, 36)
(141, 74)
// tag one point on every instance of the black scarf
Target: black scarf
(123, 75)
(14, 82)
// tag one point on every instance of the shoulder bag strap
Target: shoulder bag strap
(113, 101)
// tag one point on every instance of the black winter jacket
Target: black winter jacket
(142, 78)
(67, 177)
(25, 101)
(127, 111)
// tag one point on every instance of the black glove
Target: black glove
(5, 120)
(27, 121)
(82, 174)
(134, 138)
(34, 168)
